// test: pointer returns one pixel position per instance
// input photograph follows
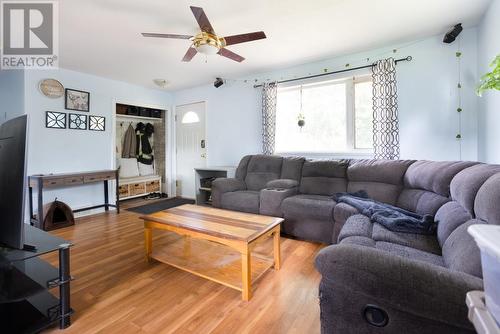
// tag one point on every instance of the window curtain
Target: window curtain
(385, 110)
(269, 94)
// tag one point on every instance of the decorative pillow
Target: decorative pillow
(145, 170)
(128, 168)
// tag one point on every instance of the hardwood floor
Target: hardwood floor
(116, 291)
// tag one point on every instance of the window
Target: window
(337, 114)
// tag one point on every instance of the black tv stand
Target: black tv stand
(26, 305)
(29, 248)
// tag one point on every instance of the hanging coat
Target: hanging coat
(144, 149)
(129, 143)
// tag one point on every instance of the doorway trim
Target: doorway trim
(173, 140)
(168, 149)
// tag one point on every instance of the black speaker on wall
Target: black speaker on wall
(218, 82)
(452, 34)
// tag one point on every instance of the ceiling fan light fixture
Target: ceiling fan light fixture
(207, 43)
(207, 49)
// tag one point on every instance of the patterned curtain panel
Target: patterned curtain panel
(269, 93)
(385, 110)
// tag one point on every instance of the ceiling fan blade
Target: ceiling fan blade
(231, 55)
(151, 34)
(191, 52)
(243, 38)
(202, 20)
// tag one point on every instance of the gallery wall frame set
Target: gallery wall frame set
(76, 100)
(61, 120)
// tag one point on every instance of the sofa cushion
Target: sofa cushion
(356, 226)
(381, 179)
(434, 176)
(308, 206)
(323, 177)
(262, 169)
(308, 228)
(421, 201)
(411, 253)
(342, 211)
(466, 184)
(241, 171)
(382, 192)
(487, 202)
(426, 243)
(449, 217)
(245, 201)
(361, 226)
(394, 249)
(282, 184)
(381, 171)
(460, 251)
(292, 168)
(362, 241)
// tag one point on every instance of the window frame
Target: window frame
(349, 82)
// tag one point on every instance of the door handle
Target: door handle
(202, 143)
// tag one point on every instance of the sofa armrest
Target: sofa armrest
(271, 199)
(224, 185)
(282, 184)
(411, 286)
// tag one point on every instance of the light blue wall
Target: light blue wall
(232, 120)
(489, 104)
(426, 90)
(56, 151)
(11, 94)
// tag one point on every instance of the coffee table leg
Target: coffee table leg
(277, 250)
(246, 276)
(187, 245)
(148, 241)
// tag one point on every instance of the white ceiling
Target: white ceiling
(102, 37)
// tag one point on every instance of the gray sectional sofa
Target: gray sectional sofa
(375, 280)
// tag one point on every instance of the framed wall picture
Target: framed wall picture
(77, 100)
(77, 122)
(55, 120)
(97, 123)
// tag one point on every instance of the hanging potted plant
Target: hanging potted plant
(301, 121)
(490, 80)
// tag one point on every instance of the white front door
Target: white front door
(190, 146)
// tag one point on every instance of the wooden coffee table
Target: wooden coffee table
(217, 244)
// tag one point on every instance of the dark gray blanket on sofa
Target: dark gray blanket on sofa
(393, 218)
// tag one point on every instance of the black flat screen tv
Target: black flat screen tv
(13, 149)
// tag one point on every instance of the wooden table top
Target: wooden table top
(67, 174)
(216, 222)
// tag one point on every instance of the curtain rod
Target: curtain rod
(409, 58)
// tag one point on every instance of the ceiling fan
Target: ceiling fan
(207, 42)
